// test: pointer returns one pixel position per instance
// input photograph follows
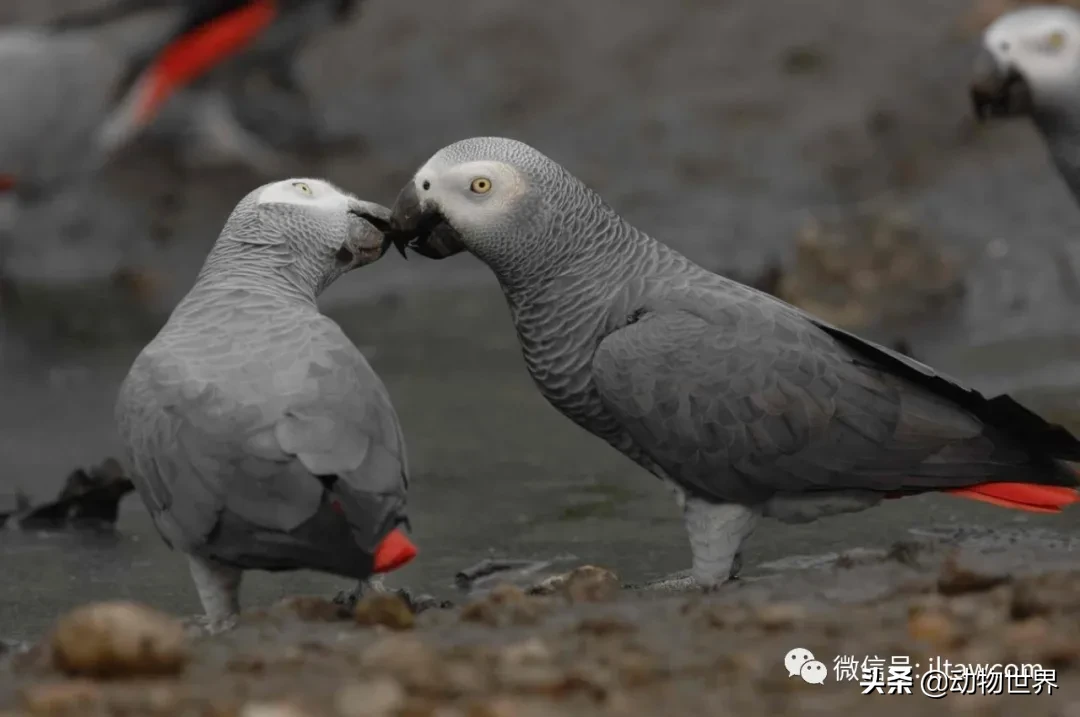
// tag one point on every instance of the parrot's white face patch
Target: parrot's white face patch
(471, 194)
(1041, 43)
(314, 193)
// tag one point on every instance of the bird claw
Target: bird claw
(417, 603)
(684, 581)
(202, 625)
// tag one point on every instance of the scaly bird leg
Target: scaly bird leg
(219, 591)
(717, 531)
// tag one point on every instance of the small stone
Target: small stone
(1030, 633)
(1026, 602)
(780, 616)
(373, 698)
(955, 579)
(272, 709)
(532, 650)
(529, 667)
(725, 616)
(480, 611)
(408, 659)
(311, 608)
(74, 697)
(384, 609)
(933, 628)
(589, 583)
(119, 639)
(503, 706)
(637, 668)
(505, 604)
(606, 625)
(533, 678)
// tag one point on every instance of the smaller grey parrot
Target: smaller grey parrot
(256, 433)
(1029, 65)
(745, 405)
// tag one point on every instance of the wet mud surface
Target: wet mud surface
(945, 603)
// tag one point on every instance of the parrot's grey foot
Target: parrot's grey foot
(416, 603)
(199, 625)
(717, 531)
(683, 581)
(349, 598)
(219, 591)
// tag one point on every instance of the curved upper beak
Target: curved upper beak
(997, 90)
(420, 226)
(374, 214)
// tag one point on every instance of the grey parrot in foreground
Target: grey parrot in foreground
(256, 433)
(1029, 66)
(746, 405)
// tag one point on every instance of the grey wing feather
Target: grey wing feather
(164, 463)
(753, 402)
(349, 430)
(192, 469)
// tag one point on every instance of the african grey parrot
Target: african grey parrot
(256, 433)
(1029, 65)
(747, 406)
(69, 99)
(216, 112)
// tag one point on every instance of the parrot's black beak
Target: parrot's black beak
(420, 226)
(375, 217)
(998, 91)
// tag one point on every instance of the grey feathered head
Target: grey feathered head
(305, 229)
(1029, 63)
(511, 206)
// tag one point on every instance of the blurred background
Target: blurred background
(826, 152)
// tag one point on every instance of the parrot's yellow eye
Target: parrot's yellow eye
(303, 187)
(481, 185)
(1055, 40)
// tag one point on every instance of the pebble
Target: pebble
(311, 608)
(55, 698)
(384, 609)
(505, 605)
(116, 639)
(511, 707)
(780, 616)
(412, 662)
(372, 698)
(956, 579)
(934, 628)
(273, 709)
(589, 583)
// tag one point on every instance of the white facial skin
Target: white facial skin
(329, 212)
(1042, 44)
(312, 193)
(472, 196)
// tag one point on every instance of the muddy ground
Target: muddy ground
(590, 649)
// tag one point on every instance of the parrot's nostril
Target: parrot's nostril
(427, 185)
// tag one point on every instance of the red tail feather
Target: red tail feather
(198, 51)
(393, 552)
(1021, 496)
